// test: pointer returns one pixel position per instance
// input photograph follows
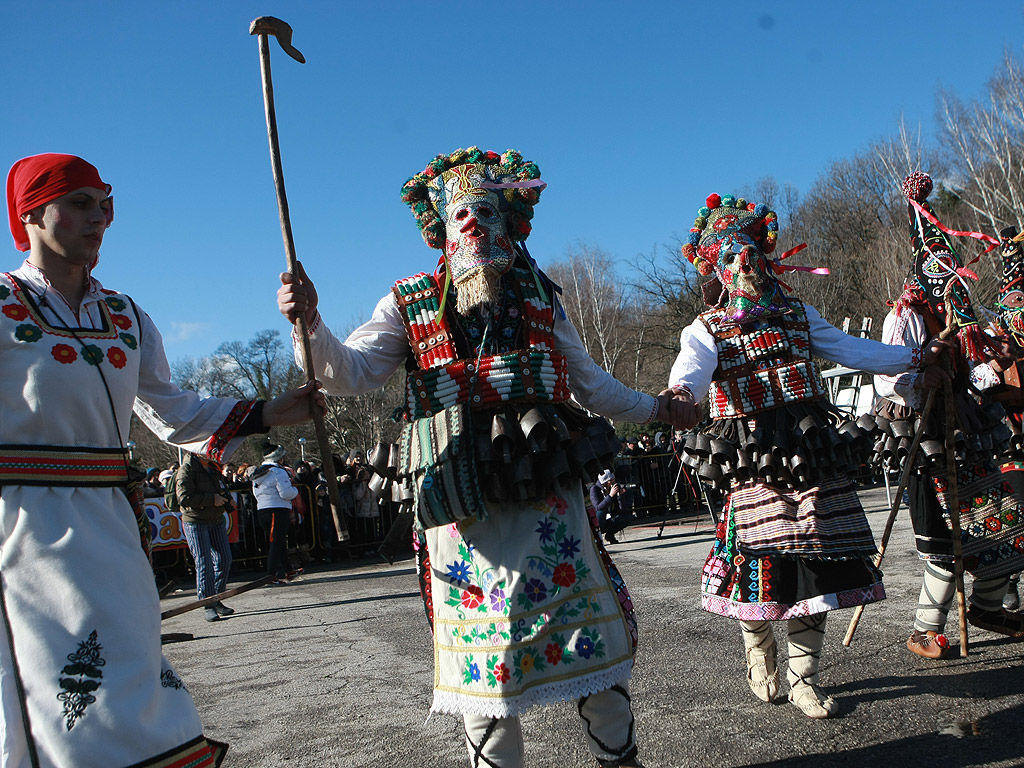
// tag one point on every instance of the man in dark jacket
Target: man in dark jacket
(203, 498)
(612, 505)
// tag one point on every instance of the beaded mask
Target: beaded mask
(733, 238)
(473, 211)
(1011, 284)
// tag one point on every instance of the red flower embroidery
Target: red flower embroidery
(121, 321)
(473, 597)
(62, 353)
(554, 653)
(15, 311)
(117, 357)
(558, 504)
(501, 673)
(565, 575)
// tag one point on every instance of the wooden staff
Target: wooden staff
(265, 26)
(904, 480)
(953, 503)
(207, 601)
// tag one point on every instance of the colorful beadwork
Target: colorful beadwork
(535, 373)
(763, 364)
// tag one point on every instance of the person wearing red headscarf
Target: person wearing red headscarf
(82, 678)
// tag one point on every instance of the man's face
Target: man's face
(72, 226)
(477, 240)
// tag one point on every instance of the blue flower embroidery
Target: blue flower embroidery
(458, 573)
(536, 590)
(546, 529)
(474, 671)
(585, 647)
(569, 547)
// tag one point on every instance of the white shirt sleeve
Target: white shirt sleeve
(697, 360)
(366, 359)
(176, 416)
(858, 353)
(907, 330)
(595, 388)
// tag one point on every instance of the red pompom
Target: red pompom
(917, 186)
(714, 201)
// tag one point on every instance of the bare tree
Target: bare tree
(598, 303)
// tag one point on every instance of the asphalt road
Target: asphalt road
(336, 670)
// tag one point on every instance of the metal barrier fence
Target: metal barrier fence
(311, 537)
(659, 485)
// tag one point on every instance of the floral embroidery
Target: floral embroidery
(63, 353)
(536, 591)
(473, 597)
(15, 311)
(128, 340)
(546, 529)
(170, 680)
(558, 504)
(497, 672)
(92, 354)
(28, 332)
(568, 547)
(458, 573)
(499, 603)
(117, 357)
(121, 321)
(78, 690)
(564, 575)
(470, 672)
(116, 304)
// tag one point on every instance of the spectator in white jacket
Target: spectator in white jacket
(272, 486)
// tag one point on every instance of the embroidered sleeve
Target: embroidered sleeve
(907, 330)
(216, 446)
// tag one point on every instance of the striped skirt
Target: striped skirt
(781, 554)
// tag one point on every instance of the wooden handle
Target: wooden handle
(319, 426)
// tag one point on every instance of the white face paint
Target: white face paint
(476, 240)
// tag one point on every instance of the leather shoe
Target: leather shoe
(211, 614)
(223, 610)
(1002, 622)
(928, 645)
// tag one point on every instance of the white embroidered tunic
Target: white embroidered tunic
(81, 620)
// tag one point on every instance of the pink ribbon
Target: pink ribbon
(514, 184)
(993, 242)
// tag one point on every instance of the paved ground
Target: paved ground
(335, 670)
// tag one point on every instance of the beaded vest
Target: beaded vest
(537, 373)
(762, 364)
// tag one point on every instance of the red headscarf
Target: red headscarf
(36, 180)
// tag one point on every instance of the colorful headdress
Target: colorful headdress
(939, 270)
(725, 215)
(508, 181)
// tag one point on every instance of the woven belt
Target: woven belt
(50, 465)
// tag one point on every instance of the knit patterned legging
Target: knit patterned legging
(938, 588)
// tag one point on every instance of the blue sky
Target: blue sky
(635, 112)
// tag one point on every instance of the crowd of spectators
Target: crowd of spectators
(311, 533)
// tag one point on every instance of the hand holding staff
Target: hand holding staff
(265, 26)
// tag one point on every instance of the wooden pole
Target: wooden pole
(207, 601)
(953, 504)
(334, 497)
(904, 480)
